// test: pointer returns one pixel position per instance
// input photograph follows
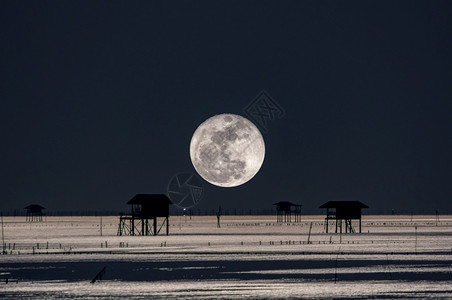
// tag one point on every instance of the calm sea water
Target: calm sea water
(254, 257)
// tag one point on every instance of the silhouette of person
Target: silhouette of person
(218, 220)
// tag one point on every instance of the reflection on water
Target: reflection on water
(230, 290)
(243, 259)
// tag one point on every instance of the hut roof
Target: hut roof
(343, 204)
(282, 203)
(150, 198)
(34, 207)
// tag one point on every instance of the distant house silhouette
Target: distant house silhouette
(34, 213)
(343, 211)
(145, 209)
(285, 210)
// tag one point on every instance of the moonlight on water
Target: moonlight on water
(227, 150)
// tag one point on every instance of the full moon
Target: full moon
(227, 150)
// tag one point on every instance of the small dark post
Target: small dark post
(142, 225)
(99, 275)
(167, 226)
(218, 217)
(326, 225)
(415, 239)
(3, 238)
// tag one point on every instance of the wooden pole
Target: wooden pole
(415, 239)
(142, 226)
(167, 225)
(309, 235)
(335, 267)
(3, 236)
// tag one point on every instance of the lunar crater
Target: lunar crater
(228, 119)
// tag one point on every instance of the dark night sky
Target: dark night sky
(99, 100)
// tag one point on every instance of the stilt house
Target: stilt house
(285, 210)
(343, 211)
(145, 209)
(34, 213)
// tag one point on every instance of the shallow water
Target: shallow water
(248, 257)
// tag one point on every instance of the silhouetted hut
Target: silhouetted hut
(145, 209)
(285, 210)
(343, 211)
(34, 213)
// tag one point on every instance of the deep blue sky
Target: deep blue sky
(99, 99)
